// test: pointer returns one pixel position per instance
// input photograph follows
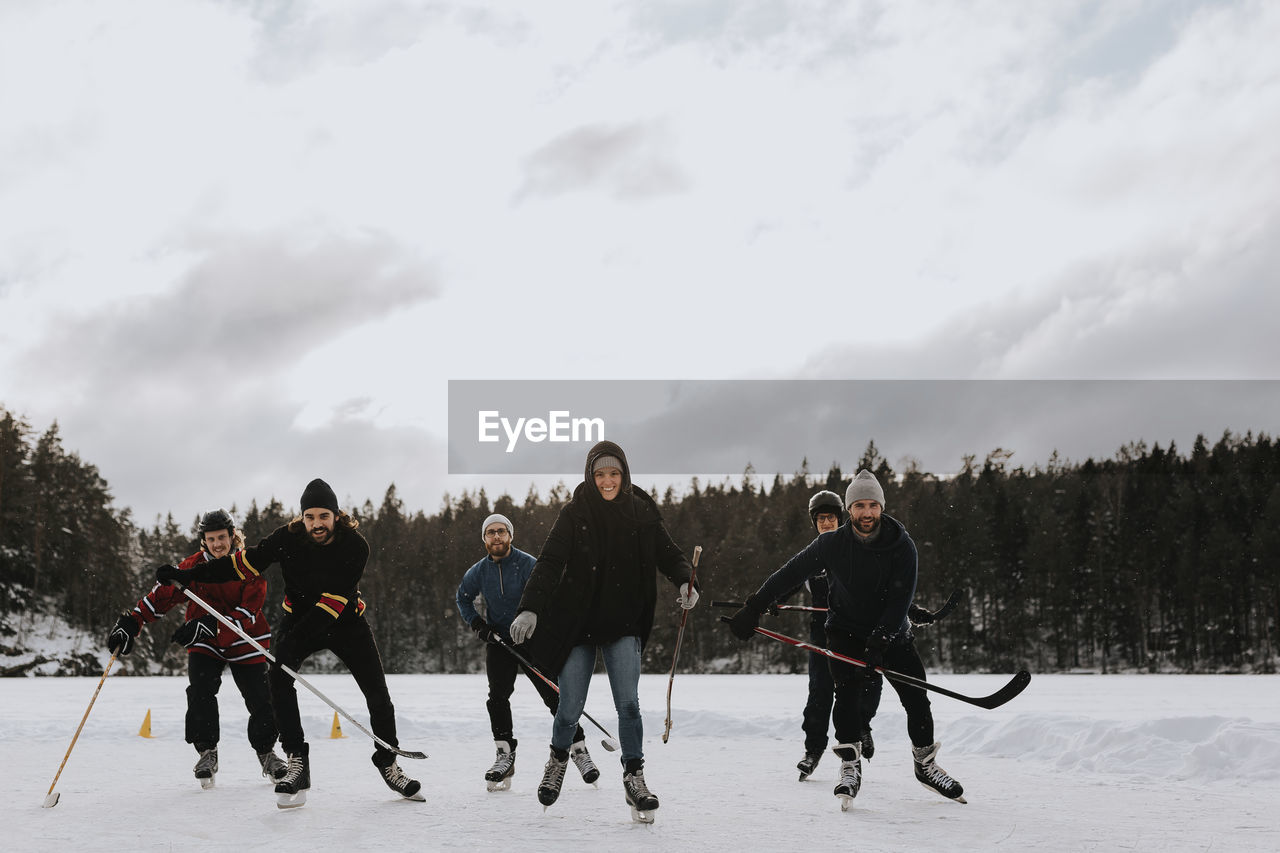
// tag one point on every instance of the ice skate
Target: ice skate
(868, 745)
(934, 777)
(582, 760)
(273, 766)
(410, 789)
(643, 802)
(498, 777)
(207, 767)
(291, 788)
(808, 764)
(850, 774)
(552, 778)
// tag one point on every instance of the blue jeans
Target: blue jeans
(622, 663)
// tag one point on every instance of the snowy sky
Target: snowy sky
(243, 244)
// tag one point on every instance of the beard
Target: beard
(498, 550)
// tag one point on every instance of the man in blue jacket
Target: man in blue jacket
(487, 599)
(871, 567)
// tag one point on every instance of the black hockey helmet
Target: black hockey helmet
(217, 519)
(825, 501)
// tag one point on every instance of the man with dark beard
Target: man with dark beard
(488, 598)
(871, 568)
(322, 559)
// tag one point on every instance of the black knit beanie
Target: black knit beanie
(318, 494)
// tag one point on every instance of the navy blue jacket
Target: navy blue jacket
(502, 583)
(870, 584)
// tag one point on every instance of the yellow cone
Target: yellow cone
(336, 731)
(145, 731)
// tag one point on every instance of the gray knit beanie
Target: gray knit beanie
(499, 517)
(606, 462)
(865, 487)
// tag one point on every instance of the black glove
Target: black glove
(190, 633)
(484, 630)
(743, 622)
(168, 574)
(120, 640)
(920, 615)
(876, 645)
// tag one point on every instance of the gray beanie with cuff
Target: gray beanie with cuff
(865, 487)
(498, 517)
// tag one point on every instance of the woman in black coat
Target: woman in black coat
(595, 588)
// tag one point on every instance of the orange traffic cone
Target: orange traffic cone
(336, 731)
(145, 731)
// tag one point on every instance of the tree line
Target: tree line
(1152, 560)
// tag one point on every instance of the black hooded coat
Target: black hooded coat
(596, 578)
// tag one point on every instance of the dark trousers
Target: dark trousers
(817, 709)
(204, 675)
(501, 668)
(351, 640)
(850, 681)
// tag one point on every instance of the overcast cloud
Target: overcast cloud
(244, 244)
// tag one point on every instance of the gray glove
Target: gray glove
(688, 596)
(522, 626)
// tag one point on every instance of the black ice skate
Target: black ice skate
(643, 802)
(498, 777)
(934, 777)
(553, 777)
(273, 766)
(868, 745)
(410, 789)
(808, 764)
(582, 760)
(291, 788)
(207, 766)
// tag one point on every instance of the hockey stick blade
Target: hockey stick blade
(1015, 686)
(956, 595)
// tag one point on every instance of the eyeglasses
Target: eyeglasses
(496, 534)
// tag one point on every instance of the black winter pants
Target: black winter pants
(351, 641)
(850, 713)
(817, 709)
(204, 674)
(501, 667)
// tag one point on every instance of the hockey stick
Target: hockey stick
(934, 616)
(956, 595)
(51, 799)
(738, 605)
(684, 615)
(1015, 686)
(298, 678)
(611, 743)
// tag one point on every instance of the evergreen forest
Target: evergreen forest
(1154, 560)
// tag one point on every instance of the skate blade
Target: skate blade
(641, 816)
(206, 782)
(51, 800)
(414, 798)
(803, 776)
(500, 785)
(291, 801)
(959, 799)
(845, 802)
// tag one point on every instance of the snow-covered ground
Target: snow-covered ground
(1077, 762)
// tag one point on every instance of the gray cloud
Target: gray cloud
(248, 447)
(628, 162)
(249, 307)
(1172, 312)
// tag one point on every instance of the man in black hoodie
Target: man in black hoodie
(871, 567)
(322, 559)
